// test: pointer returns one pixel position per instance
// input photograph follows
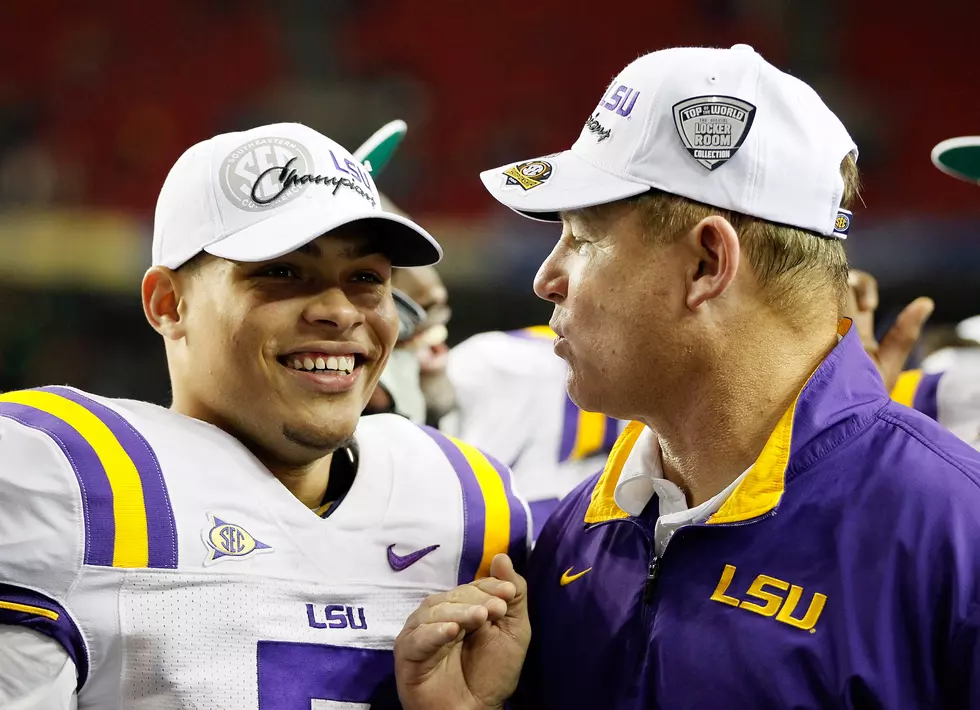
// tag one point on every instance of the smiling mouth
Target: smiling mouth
(322, 363)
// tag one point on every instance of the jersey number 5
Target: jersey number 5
(307, 676)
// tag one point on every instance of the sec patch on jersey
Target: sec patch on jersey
(229, 541)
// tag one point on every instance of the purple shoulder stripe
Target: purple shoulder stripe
(160, 525)
(35, 611)
(569, 430)
(103, 539)
(474, 507)
(96, 494)
(611, 434)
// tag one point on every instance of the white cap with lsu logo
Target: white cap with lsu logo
(719, 126)
(265, 192)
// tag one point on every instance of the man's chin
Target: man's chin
(319, 440)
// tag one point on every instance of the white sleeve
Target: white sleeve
(37, 672)
(958, 401)
(490, 394)
(42, 539)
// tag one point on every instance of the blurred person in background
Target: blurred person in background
(258, 545)
(413, 383)
(771, 530)
(946, 385)
(503, 392)
(510, 390)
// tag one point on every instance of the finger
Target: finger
(500, 588)
(851, 308)
(865, 324)
(897, 344)
(468, 616)
(865, 288)
(502, 567)
(424, 643)
(475, 593)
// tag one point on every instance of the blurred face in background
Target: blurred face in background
(424, 286)
(425, 350)
(283, 354)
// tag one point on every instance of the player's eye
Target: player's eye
(279, 271)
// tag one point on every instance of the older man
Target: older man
(773, 531)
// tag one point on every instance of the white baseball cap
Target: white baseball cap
(262, 193)
(718, 126)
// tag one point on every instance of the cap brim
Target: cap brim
(959, 157)
(403, 241)
(571, 184)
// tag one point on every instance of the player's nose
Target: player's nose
(332, 307)
(551, 281)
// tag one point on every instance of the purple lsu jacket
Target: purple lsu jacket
(843, 572)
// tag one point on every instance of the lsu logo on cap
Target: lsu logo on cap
(712, 128)
(226, 540)
(528, 175)
(842, 225)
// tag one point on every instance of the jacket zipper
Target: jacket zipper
(653, 567)
(650, 586)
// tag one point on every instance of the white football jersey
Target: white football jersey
(177, 572)
(512, 403)
(947, 388)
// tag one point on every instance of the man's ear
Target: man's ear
(716, 249)
(161, 291)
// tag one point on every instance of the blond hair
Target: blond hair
(789, 263)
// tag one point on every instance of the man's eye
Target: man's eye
(279, 271)
(368, 277)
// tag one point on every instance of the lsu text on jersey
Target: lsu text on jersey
(176, 571)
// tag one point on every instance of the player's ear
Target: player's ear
(161, 291)
(715, 251)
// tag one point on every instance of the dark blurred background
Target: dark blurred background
(98, 100)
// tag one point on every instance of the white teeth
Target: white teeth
(337, 363)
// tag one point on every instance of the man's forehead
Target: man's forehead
(348, 244)
(594, 217)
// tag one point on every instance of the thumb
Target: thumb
(896, 345)
(502, 567)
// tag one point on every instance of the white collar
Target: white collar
(643, 476)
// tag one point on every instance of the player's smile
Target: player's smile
(326, 367)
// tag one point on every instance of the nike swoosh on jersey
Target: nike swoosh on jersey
(400, 562)
(568, 577)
